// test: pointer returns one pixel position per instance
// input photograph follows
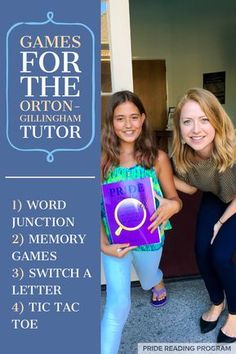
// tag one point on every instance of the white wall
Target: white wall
(193, 36)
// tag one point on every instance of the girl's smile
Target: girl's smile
(127, 122)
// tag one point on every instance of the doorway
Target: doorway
(149, 77)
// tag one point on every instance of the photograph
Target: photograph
(163, 85)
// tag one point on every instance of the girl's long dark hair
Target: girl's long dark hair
(144, 150)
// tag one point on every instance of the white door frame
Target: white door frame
(121, 56)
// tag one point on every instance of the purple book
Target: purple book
(128, 207)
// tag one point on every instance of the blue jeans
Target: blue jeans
(118, 302)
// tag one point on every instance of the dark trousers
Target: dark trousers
(216, 262)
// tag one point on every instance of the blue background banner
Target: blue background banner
(50, 190)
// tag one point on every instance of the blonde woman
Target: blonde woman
(204, 155)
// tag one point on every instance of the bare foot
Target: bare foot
(213, 313)
(229, 327)
(158, 287)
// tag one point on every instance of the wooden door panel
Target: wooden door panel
(150, 85)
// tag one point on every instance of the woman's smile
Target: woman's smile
(196, 129)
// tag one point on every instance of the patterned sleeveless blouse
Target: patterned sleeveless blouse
(124, 174)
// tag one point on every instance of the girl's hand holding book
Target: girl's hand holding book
(166, 209)
(117, 250)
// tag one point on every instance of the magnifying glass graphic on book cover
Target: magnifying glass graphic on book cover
(130, 214)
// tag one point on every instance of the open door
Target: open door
(149, 78)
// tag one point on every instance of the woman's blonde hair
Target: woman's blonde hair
(224, 150)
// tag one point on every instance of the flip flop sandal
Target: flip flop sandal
(159, 303)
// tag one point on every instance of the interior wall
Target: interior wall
(193, 36)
